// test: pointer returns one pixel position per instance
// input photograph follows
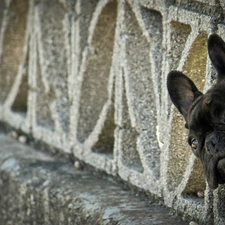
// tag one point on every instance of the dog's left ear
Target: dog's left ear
(182, 91)
(216, 50)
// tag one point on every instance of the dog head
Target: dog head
(204, 114)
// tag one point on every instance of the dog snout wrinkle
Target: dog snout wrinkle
(211, 145)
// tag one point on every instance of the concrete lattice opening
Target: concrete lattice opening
(96, 76)
(12, 53)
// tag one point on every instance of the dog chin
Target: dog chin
(211, 173)
(221, 171)
(215, 172)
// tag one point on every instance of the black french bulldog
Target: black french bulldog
(204, 114)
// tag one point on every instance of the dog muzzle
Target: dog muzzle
(214, 158)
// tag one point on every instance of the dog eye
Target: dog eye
(194, 143)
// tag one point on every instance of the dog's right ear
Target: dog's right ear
(182, 91)
(216, 50)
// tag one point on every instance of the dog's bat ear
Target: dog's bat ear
(182, 91)
(216, 50)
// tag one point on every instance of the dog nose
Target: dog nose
(211, 145)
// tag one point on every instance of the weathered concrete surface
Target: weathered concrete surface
(36, 188)
(89, 78)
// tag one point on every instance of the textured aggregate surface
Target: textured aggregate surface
(37, 188)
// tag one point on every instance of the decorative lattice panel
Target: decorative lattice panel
(89, 78)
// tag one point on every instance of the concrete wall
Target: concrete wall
(88, 77)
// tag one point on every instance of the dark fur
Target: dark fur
(204, 114)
